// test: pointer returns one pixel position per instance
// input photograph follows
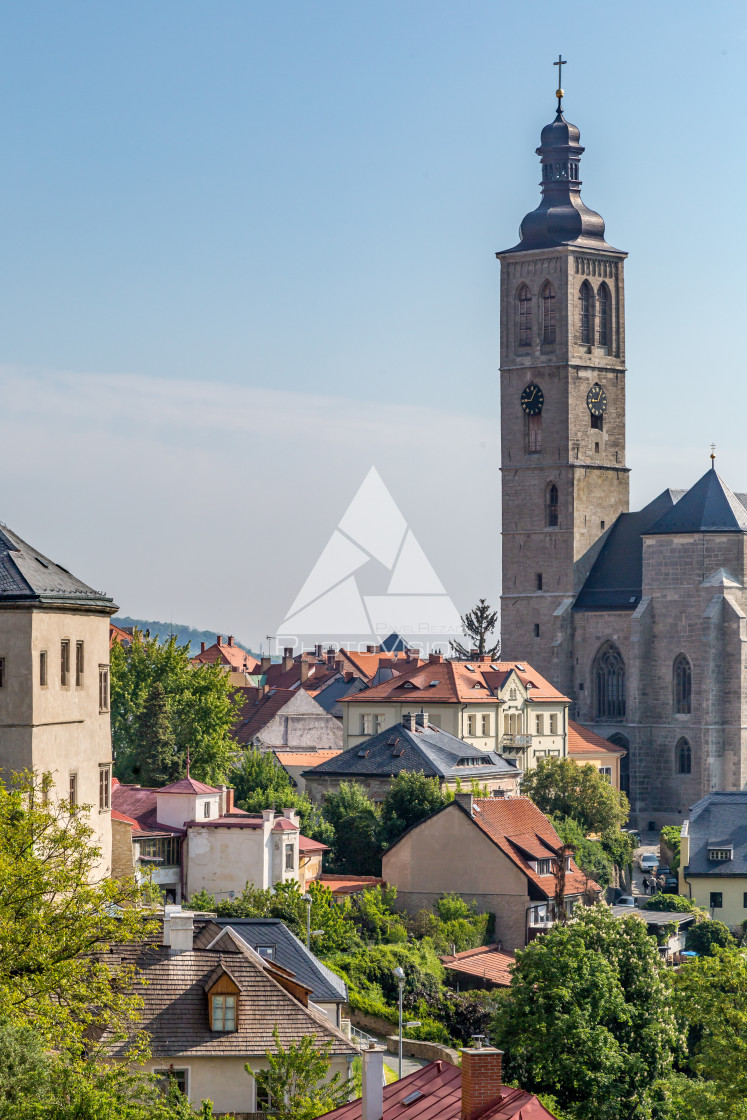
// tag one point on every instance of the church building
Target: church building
(640, 618)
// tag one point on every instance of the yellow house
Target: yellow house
(501, 706)
(585, 746)
(713, 856)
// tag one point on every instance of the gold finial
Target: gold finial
(559, 92)
(713, 456)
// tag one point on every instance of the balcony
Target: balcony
(514, 744)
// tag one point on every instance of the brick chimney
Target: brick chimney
(265, 664)
(318, 649)
(421, 719)
(304, 671)
(287, 658)
(372, 1095)
(435, 658)
(408, 721)
(482, 1082)
(230, 639)
(202, 647)
(219, 639)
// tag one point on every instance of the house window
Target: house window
(538, 580)
(524, 302)
(371, 724)
(539, 725)
(547, 295)
(717, 900)
(165, 850)
(103, 688)
(606, 771)
(168, 1077)
(718, 855)
(683, 686)
(544, 867)
(471, 725)
(744, 901)
(65, 662)
(486, 725)
(105, 786)
(609, 676)
(603, 315)
(536, 629)
(73, 790)
(43, 668)
(586, 302)
(683, 756)
(206, 809)
(224, 1013)
(290, 857)
(267, 952)
(553, 724)
(552, 506)
(78, 664)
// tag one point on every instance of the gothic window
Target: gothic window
(683, 757)
(586, 301)
(683, 686)
(524, 301)
(609, 681)
(621, 741)
(547, 295)
(552, 506)
(603, 315)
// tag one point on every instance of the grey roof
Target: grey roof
(428, 750)
(708, 507)
(653, 917)
(330, 695)
(28, 576)
(614, 582)
(326, 986)
(720, 820)
(394, 644)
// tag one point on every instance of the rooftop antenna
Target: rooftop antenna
(559, 92)
(713, 456)
(270, 638)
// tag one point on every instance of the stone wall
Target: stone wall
(415, 1048)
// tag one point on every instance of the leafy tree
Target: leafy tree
(478, 625)
(670, 834)
(676, 903)
(54, 915)
(453, 924)
(707, 936)
(374, 915)
(297, 1080)
(260, 782)
(587, 1018)
(202, 708)
(562, 788)
(589, 855)
(160, 763)
(410, 798)
(356, 821)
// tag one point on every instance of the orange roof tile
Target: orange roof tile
(123, 818)
(227, 654)
(304, 758)
(455, 682)
(582, 740)
(487, 961)
(350, 884)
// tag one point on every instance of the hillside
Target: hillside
(183, 633)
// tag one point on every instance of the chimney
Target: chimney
(370, 649)
(330, 659)
(292, 816)
(181, 931)
(222, 801)
(372, 1096)
(473, 655)
(268, 816)
(421, 719)
(482, 1082)
(435, 658)
(408, 721)
(304, 671)
(413, 655)
(265, 664)
(318, 650)
(230, 639)
(465, 800)
(229, 801)
(202, 647)
(219, 639)
(287, 658)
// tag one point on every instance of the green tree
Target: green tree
(705, 937)
(160, 763)
(676, 903)
(670, 834)
(202, 708)
(356, 821)
(410, 798)
(298, 1081)
(375, 917)
(56, 917)
(587, 1018)
(260, 782)
(589, 855)
(478, 625)
(562, 788)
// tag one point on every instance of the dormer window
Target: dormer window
(544, 867)
(223, 1013)
(718, 855)
(223, 1000)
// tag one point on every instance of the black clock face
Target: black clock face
(596, 400)
(532, 400)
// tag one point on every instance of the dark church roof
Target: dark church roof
(615, 580)
(561, 217)
(28, 576)
(708, 507)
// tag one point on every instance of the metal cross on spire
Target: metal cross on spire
(713, 456)
(561, 62)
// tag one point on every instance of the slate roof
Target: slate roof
(616, 577)
(708, 507)
(175, 1006)
(719, 819)
(325, 986)
(487, 962)
(428, 750)
(28, 576)
(440, 1087)
(329, 697)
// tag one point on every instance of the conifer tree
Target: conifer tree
(478, 625)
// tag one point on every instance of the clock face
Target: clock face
(596, 400)
(532, 400)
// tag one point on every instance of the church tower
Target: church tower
(564, 479)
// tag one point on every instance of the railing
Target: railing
(361, 1038)
(515, 742)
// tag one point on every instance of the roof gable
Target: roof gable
(708, 507)
(28, 575)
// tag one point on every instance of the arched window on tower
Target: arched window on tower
(547, 296)
(552, 506)
(603, 316)
(683, 757)
(620, 741)
(586, 302)
(609, 682)
(683, 686)
(524, 324)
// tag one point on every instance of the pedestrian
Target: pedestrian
(653, 884)
(645, 885)
(660, 884)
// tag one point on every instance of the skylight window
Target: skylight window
(470, 668)
(521, 668)
(411, 1098)
(363, 754)
(433, 684)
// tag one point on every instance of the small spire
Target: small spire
(559, 92)
(713, 456)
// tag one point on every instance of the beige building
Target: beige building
(500, 706)
(54, 681)
(713, 856)
(500, 853)
(585, 746)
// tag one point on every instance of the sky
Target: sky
(247, 254)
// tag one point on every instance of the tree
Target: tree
(356, 822)
(160, 763)
(410, 798)
(202, 708)
(589, 855)
(562, 788)
(587, 1018)
(260, 782)
(297, 1081)
(477, 625)
(676, 903)
(705, 937)
(57, 922)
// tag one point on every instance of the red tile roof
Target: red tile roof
(350, 884)
(455, 682)
(257, 709)
(304, 758)
(307, 846)
(487, 962)
(119, 634)
(188, 785)
(510, 822)
(440, 1084)
(581, 740)
(227, 654)
(116, 816)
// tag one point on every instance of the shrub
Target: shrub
(676, 903)
(708, 935)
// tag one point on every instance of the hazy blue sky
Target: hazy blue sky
(248, 253)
